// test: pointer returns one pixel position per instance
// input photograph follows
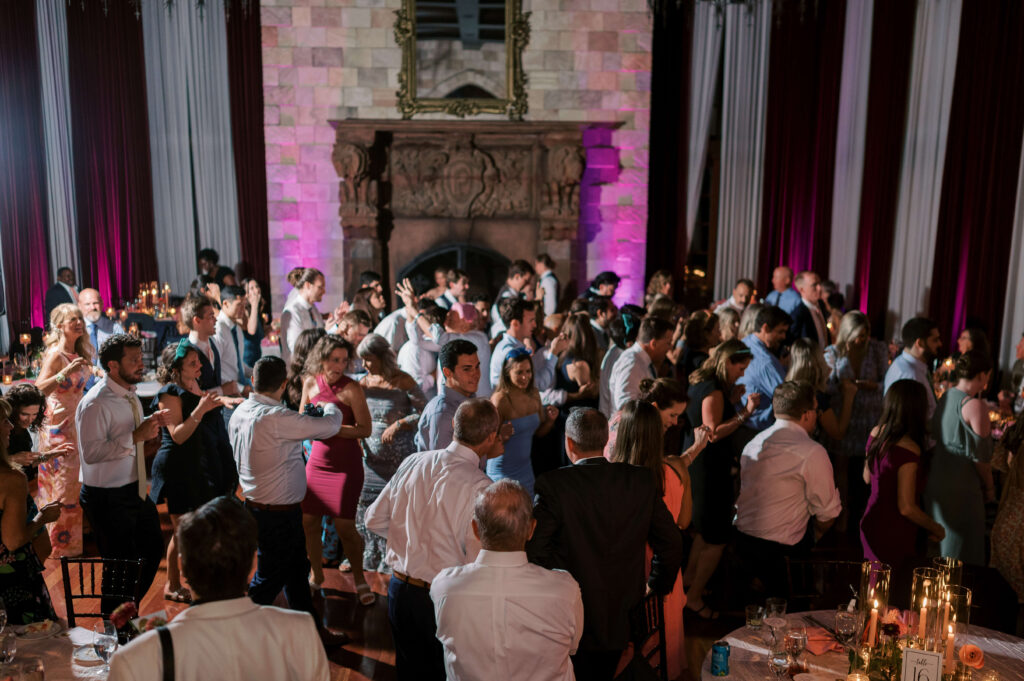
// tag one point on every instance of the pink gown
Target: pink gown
(58, 477)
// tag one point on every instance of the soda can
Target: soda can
(720, 659)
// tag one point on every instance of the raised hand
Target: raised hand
(753, 399)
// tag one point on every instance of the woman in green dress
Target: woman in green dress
(960, 476)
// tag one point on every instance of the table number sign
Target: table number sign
(921, 665)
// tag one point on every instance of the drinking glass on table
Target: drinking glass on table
(775, 607)
(32, 669)
(796, 644)
(104, 641)
(8, 647)
(779, 661)
(755, 616)
(847, 626)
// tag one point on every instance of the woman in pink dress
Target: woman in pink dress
(334, 472)
(640, 443)
(67, 367)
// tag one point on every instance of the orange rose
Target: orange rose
(972, 656)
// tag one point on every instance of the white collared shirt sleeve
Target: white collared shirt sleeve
(550, 287)
(291, 425)
(822, 496)
(104, 434)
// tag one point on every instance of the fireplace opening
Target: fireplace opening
(487, 269)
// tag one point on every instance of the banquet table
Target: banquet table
(748, 654)
(56, 653)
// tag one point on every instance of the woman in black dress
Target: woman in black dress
(192, 438)
(713, 395)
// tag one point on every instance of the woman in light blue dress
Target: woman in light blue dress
(960, 477)
(518, 403)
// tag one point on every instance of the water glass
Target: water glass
(755, 616)
(779, 661)
(796, 644)
(847, 626)
(951, 570)
(104, 641)
(8, 647)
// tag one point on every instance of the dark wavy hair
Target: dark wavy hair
(904, 414)
(296, 367)
(170, 364)
(27, 396)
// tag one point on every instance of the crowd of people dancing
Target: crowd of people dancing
(571, 451)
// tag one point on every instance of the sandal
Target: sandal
(179, 595)
(711, 614)
(365, 594)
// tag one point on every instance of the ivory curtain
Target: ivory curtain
(849, 167)
(933, 67)
(744, 102)
(704, 65)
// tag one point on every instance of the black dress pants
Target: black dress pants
(281, 560)
(419, 656)
(126, 526)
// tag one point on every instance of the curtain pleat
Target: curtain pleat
(52, 34)
(23, 209)
(113, 185)
(744, 101)
(704, 65)
(849, 167)
(933, 67)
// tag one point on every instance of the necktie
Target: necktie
(312, 318)
(140, 455)
(242, 380)
(819, 324)
(94, 337)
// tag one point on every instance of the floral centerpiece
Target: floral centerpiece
(121, 618)
(882, 659)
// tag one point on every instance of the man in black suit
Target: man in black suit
(593, 520)
(62, 291)
(810, 315)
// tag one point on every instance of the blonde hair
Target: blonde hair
(850, 325)
(807, 364)
(717, 365)
(61, 314)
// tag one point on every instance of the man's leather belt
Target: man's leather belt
(271, 507)
(411, 581)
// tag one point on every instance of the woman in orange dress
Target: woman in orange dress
(67, 367)
(640, 443)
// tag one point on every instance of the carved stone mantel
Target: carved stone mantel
(407, 186)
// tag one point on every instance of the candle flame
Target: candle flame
(924, 602)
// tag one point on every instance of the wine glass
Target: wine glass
(104, 641)
(847, 626)
(776, 624)
(8, 647)
(779, 661)
(796, 643)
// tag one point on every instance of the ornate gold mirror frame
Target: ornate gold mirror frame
(517, 35)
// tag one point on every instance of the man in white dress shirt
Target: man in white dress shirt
(425, 512)
(640, 361)
(502, 617)
(300, 312)
(742, 292)
(230, 341)
(111, 437)
(921, 345)
(267, 440)
(458, 286)
(785, 481)
(224, 635)
(547, 283)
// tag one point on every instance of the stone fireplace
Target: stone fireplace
(410, 188)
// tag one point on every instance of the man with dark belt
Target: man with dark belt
(426, 514)
(267, 440)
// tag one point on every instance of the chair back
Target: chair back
(88, 580)
(821, 584)
(647, 619)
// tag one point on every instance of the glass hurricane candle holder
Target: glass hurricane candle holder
(874, 587)
(951, 570)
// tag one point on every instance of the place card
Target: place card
(921, 665)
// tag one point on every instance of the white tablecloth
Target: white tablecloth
(56, 656)
(748, 655)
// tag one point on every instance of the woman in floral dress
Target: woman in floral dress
(67, 367)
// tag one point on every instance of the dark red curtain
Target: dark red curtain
(804, 75)
(669, 138)
(23, 216)
(889, 85)
(109, 124)
(245, 73)
(979, 184)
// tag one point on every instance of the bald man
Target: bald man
(98, 326)
(783, 295)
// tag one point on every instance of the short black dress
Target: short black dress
(711, 476)
(187, 475)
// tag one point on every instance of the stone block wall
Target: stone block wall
(587, 60)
